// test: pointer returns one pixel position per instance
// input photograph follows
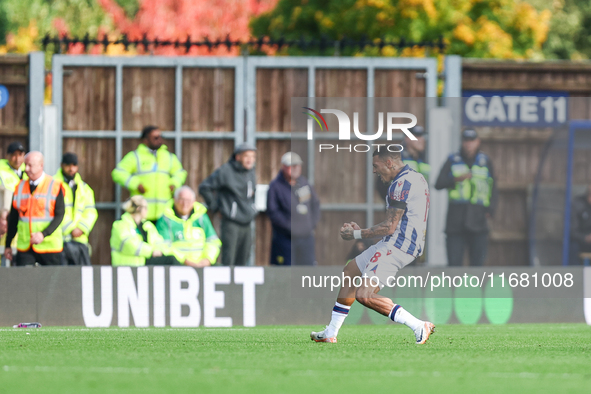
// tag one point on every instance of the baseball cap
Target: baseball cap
(15, 146)
(291, 159)
(469, 135)
(244, 147)
(70, 158)
(418, 131)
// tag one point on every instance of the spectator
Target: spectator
(230, 190)
(134, 241)
(36, 214)
(12, 170)
(469, 177)
(581, 225)
(186, 226)
(290, 193)
(414, 152)
(80, 215)
(151, 171)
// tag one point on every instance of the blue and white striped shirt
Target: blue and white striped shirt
(409, 191)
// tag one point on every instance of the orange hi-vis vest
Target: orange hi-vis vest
(36, 211)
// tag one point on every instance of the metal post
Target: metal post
(118, 131)
(369, 179)
(36, 98)
(178, 112)
(312, 142)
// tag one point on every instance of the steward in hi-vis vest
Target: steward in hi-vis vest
(134, 241)
(36, 214)
(187, 228)
(469, 178)
(81, 213)
(413, 154)
(12, 170)
(151, 171)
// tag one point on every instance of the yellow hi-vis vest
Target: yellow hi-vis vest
(156, 172)
(128, 246)
(80, 213)
(36, 211)
(478, 189)
(8, 177)
(193, 239)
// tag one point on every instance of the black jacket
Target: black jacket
(580, 219)
(283, 211)
(230, 190)
(466, 217)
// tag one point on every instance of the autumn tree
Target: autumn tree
(471, 28)
(569, 36)
(161, 19)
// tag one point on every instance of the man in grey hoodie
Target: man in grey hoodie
(230, 190)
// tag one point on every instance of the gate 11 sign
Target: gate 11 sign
(514, 108)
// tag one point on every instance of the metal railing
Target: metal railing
(62, 44)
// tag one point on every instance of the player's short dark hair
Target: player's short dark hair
(385, 154)
(147, 130)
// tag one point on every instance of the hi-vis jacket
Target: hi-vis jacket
(8, 181)
(128, 246)
(156, 172)
(193, 239)
(80, 211)
(36, 211)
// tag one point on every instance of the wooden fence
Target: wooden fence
(208, 105)
(14, 74)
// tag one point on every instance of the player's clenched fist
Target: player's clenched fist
(347, 230)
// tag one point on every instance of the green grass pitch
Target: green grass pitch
(524, 358)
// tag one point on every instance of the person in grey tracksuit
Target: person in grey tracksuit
(230, 190)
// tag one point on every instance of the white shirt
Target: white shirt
(38, 181)
(409, 190)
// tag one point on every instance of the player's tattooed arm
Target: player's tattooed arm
(386, 227)
(382, 229)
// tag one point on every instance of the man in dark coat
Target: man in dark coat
(230, 190)
(294, 210)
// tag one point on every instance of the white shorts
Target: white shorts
(382, 260)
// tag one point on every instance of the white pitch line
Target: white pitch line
(306, 372)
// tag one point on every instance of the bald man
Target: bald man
(36, 214)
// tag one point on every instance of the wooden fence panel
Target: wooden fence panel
(202, 157)
(399, 83)
(96, 160)
(14, 74)
(275, 89)
(208, 99)
(89, 98)
(148, 97)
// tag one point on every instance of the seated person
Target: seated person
(187, 228)
(134, 241)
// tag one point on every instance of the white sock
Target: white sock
(402, 316)
(339, 313)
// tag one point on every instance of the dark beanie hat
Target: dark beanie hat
(70, 158)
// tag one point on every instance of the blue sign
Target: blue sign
(3, 96)
(514, 108)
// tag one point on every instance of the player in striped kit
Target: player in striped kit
(403, 232)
